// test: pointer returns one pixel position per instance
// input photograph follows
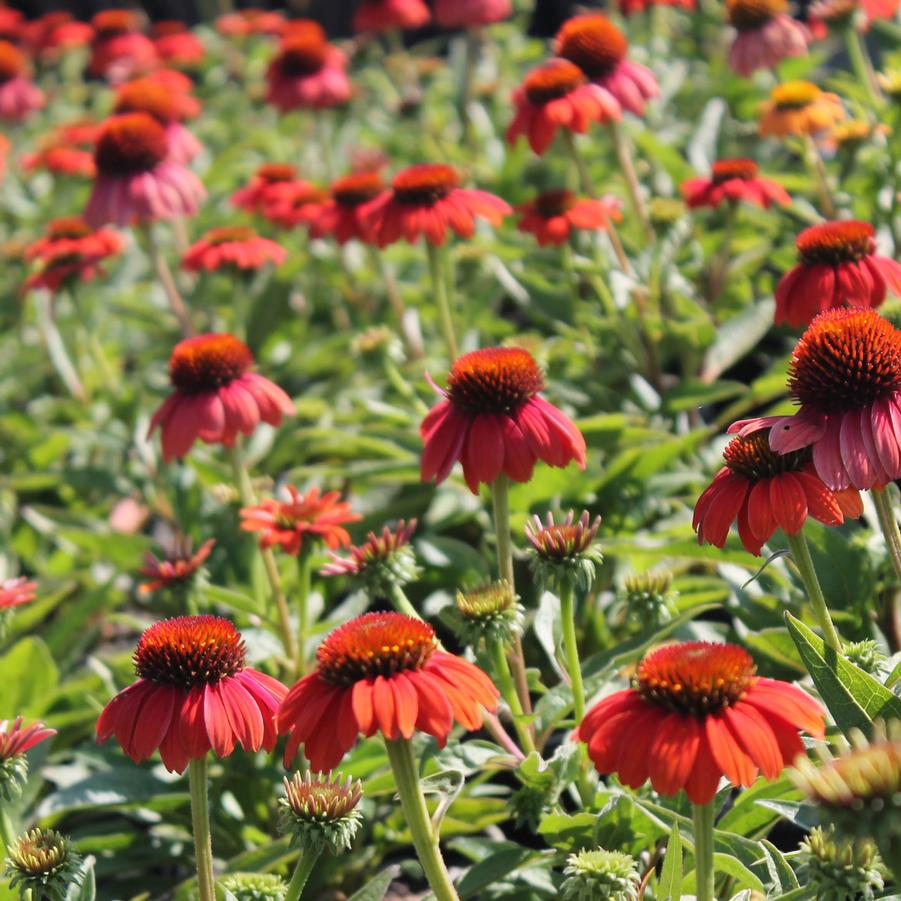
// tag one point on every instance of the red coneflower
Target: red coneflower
(766, 35)
(12, 24)
(303, 28)
(119, 50)
(16, 740)
(194, 693)
(233, 247)
(494, 421)
(764, 491)
(265, 186)
(845, 373)
(176, 45)
(178, 567)
(60, 160)
(292, 204)
(217, 395)
(557, 94)
(471, 13)
(390, 15)
(16, 592)
(838, 266)
(19, 96)
(70, 251)
(169, 108)
(631, 7)
(698, 711)
(599, 49)
(307, 73)
(553, 215)
(731, 181)
(137, 181)
(424, 201)
(303, 517)
(55, 32)
(381, 672)
(345, 214)
(245, 22)
(79, 131)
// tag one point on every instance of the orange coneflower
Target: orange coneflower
(194, 693)
(179, 565)
(381, 672)
(493, 420)
(217, 395)
(837, 266)
(698, 711)
(799, 108)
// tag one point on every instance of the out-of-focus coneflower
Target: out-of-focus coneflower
(307, 73)
(235, 248)
(176, 45)
(120, 50)
(766, 35)
(731, 181)
(19, 95)
(390, 15)
(554, 215)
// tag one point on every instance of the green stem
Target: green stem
(501, 508)
(301, 874)
(56, 347)
(508, 689)
(425, 839)
(167, 280)
(248, 499)
(570, 647)
(626, 165)
(324, 131)
(400, 602)
(200, 821)
(7, 832)
(822, 177)
(889, 525)
(304, 576)
(861, 64)
(439, 287)
(801, 555)
(720, 269)
(702, 817)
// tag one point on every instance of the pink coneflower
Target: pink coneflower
(16, 741)
(303, 517)
(493, 420)
(169, 108)
(60, 159)
(557, 94)
(307, 73)
(838, 266)
(471, 13)
(19, 96)
(345, 214)
(554, 215)
(176, 45)
(731, 181)
(425, 200)
(119, 51)
(845, 374)
(246, 22)
(55, 32)
(235, 248)
(16, 592)
(390, 15)
(766, 35)
(136, 179)
(599, 49)
(266, 186)
(178, 567)
(217, 395)
(194, 693)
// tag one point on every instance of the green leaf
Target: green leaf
(671, 877)
(854, 698)
(29, 678)
(87, 889)
(726, 863)
(447, 785)
(492, 869)
(376, 888)
(781, 873)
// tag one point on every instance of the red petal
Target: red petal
(673, 752)
(788, 502)
(730, 757)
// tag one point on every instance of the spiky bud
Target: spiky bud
(255, 886)
(665, 211)
(490, 614)
(321, 810)
(600, 874)
(42, 864)
(648, 599)
(839, 869)
(16, 740)
(565, 551)
(867, 656)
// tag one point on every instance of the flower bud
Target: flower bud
(600, 874)
(489, 614)
(565, 551)
(648, 599)
(255, 886)
(42, 864)
(839, 869)
(867, 656)
(320, 811)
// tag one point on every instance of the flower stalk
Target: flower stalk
(501, 672)
(305, 865)
(425, 838)
(167, 280)
(438, 275)
(702, 817)
(861, 64)
(304, 579)
(200, 822)
(815, 160)
(624, 156)
(801, 555)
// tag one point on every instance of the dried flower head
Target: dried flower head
(592, 874)
(255, 886)
(490, 614)
(42, 864)
(321, 810)
(838, 869)
(564, 551)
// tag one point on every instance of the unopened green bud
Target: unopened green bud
(320, 811)
(591, 875)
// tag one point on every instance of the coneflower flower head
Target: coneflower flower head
(320, 811)
(593, 874)
(255, 886)
(15, 742)
(383, 561)
(648, 598)
(42, 864)
(490, 613)
(838, 869)
(564, 551)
